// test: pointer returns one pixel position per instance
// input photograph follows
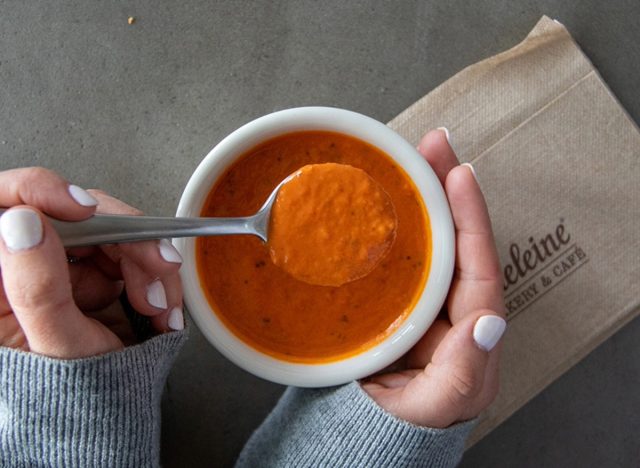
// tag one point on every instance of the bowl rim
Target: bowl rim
(425, 309)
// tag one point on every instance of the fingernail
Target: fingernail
(168, 252)
(81, 196)
(156, 295)
(21, 229)
(445, 130)
(176, 319)
(488, 330)
(473, 171)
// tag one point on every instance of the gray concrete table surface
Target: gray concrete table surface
(132, 109)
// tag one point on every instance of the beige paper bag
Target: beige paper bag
(558, 160)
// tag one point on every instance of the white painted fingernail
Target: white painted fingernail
(21, 229)
(81, 196)
(176, 319)
(168, 252)
(445, 130)
(488, 330)
(156, 296)
(473, 171)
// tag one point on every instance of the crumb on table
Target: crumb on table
(131, 20)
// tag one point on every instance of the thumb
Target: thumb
(37, 286)
(461, 378)
(459, 370)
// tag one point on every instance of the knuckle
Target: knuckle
(463, 384)
(39, 174)
(35, 186)
(45, 291)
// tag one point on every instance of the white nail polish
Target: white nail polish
(488, 330)
(81, 196)
(168, 252)
(156, 296)
(176, 319)
(21, 229)
(473, 171)
(446, 133)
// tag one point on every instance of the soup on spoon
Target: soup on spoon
(330, 224)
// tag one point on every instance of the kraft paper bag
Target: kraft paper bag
(558, 160)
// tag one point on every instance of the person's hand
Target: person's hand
(451, 375)
(50, 299)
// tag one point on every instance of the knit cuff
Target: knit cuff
(97, 411)
(343, 426)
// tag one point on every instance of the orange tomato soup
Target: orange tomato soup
(287, 318)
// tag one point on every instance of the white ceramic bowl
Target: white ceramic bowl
(426, 308)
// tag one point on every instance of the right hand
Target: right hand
(50, 306)
(451, 374)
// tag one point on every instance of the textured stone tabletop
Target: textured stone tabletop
(132, 109)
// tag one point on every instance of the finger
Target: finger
(115, 319)
(47, 191)
(37, 286)
(146, 293)
(107, 267)
(157, 258)
(173, 318)
(92, 289)
(158, 298)
(477, 281)
(491, 378)
(435, 148)
(421, 354)
(81, 252)
(459, 367)
(392, 380)
(11, 335)
(4, 303)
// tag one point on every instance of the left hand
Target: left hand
(451, 375)
(50, 306)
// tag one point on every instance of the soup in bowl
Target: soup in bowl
(278, 326)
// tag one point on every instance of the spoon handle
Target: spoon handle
(113, 229)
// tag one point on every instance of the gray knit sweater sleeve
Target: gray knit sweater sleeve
(343, 427)
(101, 411)
(105, 411)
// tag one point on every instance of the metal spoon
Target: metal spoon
(113, 229)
